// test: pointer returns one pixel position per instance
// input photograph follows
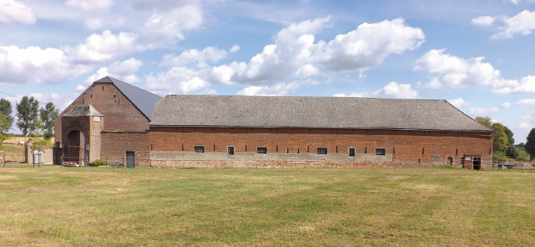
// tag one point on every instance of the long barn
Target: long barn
(256, 131)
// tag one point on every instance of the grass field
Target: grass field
(52, 206)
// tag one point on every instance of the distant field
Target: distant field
(52, 206)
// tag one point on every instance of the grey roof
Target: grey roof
(82, 111)
(143, 100)
(311, 112)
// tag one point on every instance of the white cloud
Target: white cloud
(294, 53)
(178, 80)
(454, 72)
(391, 90)
(479, 111)
(484, 21)
(36, 65)
(208, 55)
(94, 23)
(14, 11)
(234, 49)
(459, 102)
(368, 45)
(90, 5)
(524, 125)
(526, 102)
(521, 24)
(124, 70)
(280, 89)
(526, 85)
(160, 29)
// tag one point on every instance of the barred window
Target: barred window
(322, 150)
(352, 152)
(261, 150)
(230, 150)
(198, 149)
(380, 151)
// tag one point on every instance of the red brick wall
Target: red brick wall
(119, 113)
(115, 144)
(405, 146)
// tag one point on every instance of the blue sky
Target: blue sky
(478, 55)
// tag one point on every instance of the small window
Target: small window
(352, 152)
(322, 150)
(199, 149)
(456, 151)
(261, 150)
(230, 150)
(380, 151)
(450, 160)
(436, 158)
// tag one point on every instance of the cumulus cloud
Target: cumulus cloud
(391, 90)
(526, 102)
(90, 5)
(280, 89)
(484, 21)
(203, 58)
(33, 64)
(454, 72)
(524, 125)
(521, 24)
(160, 29)
(459, 102)
(479, 111)
(295, 53)
(15, 11)
(525, 85)
(178, 80)
(368, 45)
(124, 70)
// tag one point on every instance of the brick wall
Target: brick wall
(404, 146)
(119, 113)
(115, 144)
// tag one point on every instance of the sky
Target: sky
(478, 55)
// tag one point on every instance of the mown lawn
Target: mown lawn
(52, 206)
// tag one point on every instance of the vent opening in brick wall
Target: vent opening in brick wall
(322, 150)
(261, 150)
(380, 151)
(198, 149)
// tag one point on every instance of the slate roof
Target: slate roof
(83, 111)
(141, 99)
(311, 112)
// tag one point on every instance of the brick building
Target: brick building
(109, 120)
(114, 120)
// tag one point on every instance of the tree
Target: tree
(27, 114)
(530, 144)
(502, 141)
(4, 128)
(509, 134)
(48, 115)
(512, 151)
(6, 110)
(36, 140)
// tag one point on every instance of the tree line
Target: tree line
(503, 143)
(36, 124)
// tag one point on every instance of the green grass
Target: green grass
(52, 206)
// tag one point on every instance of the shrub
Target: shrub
(99, 163)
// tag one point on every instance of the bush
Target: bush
(99, 163)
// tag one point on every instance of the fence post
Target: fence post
(4, 159)
(61, 161)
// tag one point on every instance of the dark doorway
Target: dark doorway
(450, 160)
(74, 148)
(130, 159)
(477, 163)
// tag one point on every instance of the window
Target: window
(352, 152)
(230, 150)
(199, 149)
(322, 150)
(436, 158)
(450, 160)
(380, 151)
(261, 150)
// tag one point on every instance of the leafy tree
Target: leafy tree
(27, 114)
(38, 143)
(530, 144)
(5, 109)
(502, 141)
(520, 145)
(510, 134)
(4, 128)
(512, 152)
(48, 115)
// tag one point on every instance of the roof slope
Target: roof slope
(141, 99)
(311, 112)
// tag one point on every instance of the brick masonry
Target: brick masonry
(406, 147)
